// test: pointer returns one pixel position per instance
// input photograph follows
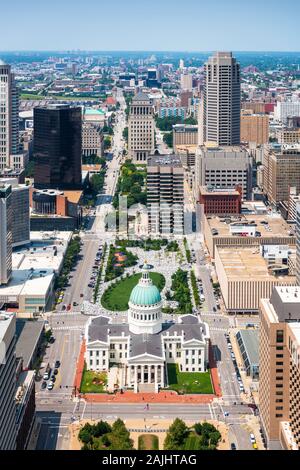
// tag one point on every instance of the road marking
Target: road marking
(83, 411)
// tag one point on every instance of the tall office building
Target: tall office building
(5, 233)
(279, 368)
(281, 171)
(20, 215)
(186, 81)
(254, 128)
(8, 429)
(9, 116)
(165, 194)
(140, 128)
(57, 147)
(20, 211)
(222, 100)
(223, 168)
(298, 243)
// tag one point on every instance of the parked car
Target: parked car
(55, 372)
(252, 438)
(232, 446)
(57, 364)
(51, 340)
(44, 385)
(53, 378)
(50, 385)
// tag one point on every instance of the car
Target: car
(91, 285)
(232, 446)
(252, 438)
(50, 386)
(229, 345)
(53, 378)
(51, 340)
(55, 372)
(81, 295)
(214, 309)
(57, 364)
(46, 376)
(241, 387)
(254, 445)
(44, 385)
(74, 304)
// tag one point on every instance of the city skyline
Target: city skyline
(194, 23)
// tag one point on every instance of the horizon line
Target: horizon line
(145, 50)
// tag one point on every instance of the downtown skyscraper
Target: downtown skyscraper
(221, 100)
(9, 116)
(57, 147)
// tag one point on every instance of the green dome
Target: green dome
(145, 295)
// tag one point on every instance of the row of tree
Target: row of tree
(181, 291)
(103, 436)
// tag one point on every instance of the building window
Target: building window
(278, 415)
(279, 336)
(91, 362)
(178, 354)
(112, 355)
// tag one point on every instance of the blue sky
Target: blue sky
(185, 25)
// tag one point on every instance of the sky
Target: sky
(150, 25)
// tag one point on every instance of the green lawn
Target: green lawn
(116, 298)
(93, 382)
(31, 96)
(189, 382)
(148, 442)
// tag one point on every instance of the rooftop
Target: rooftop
(164, 160)
(250, 339)
(268, 225)
(33, 266)
(208, 190)
(246, 263)
(141, 97)
(91, 111)
(28, 335)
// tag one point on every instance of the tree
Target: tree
(86, 433)
(29, 169)
(102, 427)
(120, 437)
(106, 143)
(125, 134)
(198, 428)
(168, 139)
(176, 436)
(190, 120)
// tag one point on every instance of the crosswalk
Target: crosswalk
(215, 328)
(64, 328)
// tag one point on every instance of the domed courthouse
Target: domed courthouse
(143, 346)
